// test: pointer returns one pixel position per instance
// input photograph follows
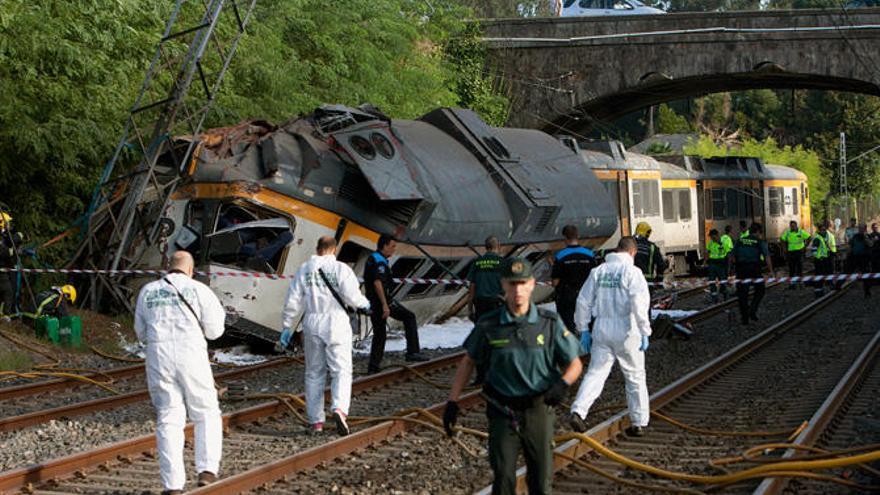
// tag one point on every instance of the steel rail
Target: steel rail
(615, 425)
(314, 456)
(824, 416)
(13, 423)
(22, 478)
(28, 389)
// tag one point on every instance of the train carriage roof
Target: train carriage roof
(446, 179)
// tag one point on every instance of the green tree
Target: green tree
(669, 122)
(69, 71)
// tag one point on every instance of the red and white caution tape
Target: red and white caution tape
(449, 281)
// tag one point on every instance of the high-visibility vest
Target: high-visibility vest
(727, 242)
(827, 245)
(717, 251)
(795, 240)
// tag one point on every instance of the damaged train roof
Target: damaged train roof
(446, 178)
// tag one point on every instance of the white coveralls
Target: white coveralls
(179, 375)
(616, 294)
(326, 330)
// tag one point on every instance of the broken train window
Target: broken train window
(250, 238)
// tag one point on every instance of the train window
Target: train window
(250, 239)
(669, 205)
(774, 198)
(363, 147)
(732, 202)
(436, 271)
(383, 146)
(757, 202)
(684, 205)
(718, 210)
(646, 198)
(794, 201)
(405, 267)
(745, 204)
(707, 206)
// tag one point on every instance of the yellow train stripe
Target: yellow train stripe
(605, 174)
(678, 184)
(783, 183)
(644, 174)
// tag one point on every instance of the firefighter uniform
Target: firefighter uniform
(795, 242)
(524, 356)
(748, 252)
(485, 275)
(571, 267)
(10, 239)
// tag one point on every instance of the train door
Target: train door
(701, 217)
(623, 204)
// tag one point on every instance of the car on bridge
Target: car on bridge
(576, 8)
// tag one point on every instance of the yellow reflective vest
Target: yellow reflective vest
(825, 246)
(795, 241)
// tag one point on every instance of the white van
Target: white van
(574, 8)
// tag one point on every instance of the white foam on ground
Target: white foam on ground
(238, 356)
(448, 335)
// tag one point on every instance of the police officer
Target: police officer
(378, 283)
(717, 264)
(533, 360)
(571, 267)
(484, 275)
(824, 246)
(9, 242)
(794, 243)
(748, 252)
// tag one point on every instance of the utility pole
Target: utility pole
(844, 187)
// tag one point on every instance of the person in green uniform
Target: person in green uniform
(748, 253)
(484, 275)
(717, 264)
(794, 242)
(532, 360)
(727, 239)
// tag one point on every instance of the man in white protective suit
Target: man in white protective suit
(616, 295)
(174, 316)
(323, 288)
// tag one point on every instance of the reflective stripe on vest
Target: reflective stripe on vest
(826, 245)
(795, 240)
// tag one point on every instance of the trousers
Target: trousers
(7, 293)
(632, 364)
(327, 351)
(380, 329)
(533, 432)
(795, 263)
(749, 270)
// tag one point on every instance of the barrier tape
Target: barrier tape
(449, 281)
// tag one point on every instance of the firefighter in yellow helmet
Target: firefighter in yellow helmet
(10, 241)
(53, 302)
(648, 256)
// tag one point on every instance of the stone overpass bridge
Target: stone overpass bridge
(570, 72)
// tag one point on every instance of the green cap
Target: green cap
(516, 269)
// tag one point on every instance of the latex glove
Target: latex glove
(283, 341)
(29, 252)
(586, 341)
(450, 417)
(645, 343)
(556, 393)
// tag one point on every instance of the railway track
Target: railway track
(255, 436)
(45, 403)
(740, 392)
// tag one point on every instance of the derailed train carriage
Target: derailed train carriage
(256, 198)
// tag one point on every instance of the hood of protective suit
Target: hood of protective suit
(616, 295)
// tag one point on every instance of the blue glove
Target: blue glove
(29, 252)
(644, 346)
(586, 341)
(286, 334)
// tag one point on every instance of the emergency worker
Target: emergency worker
(859, 257)
(10, 240)
(532, 361)
(824, 246)
(748, 252)
(378, 282)
(727, 238)
(571, 267)
(173, 317)
(648, 258)
(315, 289)
(743, 229)
(53, 302)
(617, 296)
(717, 264)
(874, 238)
(485, 293)
(794, 242)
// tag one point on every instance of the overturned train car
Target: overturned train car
(256, 197)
